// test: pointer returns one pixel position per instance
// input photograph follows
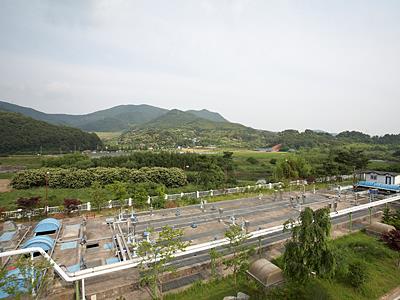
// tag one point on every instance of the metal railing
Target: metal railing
(123, 265)
(18, 214)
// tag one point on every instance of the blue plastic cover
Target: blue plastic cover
(48, 224)
(7, 236)
(74, 268)
(380, 186)
(19, 283)
(45, 242)
(112, 260)
(69, 245)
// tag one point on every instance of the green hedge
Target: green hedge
(76, 178)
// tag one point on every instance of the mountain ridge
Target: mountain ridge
(114, 119)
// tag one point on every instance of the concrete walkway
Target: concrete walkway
(392, 295)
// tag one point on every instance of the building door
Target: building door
(388, 180)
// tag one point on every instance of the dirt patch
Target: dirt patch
(5, 185)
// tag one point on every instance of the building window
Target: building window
(373, 177)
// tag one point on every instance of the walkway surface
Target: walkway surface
(392, 295)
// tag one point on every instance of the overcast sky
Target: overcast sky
(330, 65)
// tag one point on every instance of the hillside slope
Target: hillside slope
(179, 128)
(21, 134)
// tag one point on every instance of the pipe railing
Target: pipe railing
(123, 265)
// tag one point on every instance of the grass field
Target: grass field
(29, 161)
(379, 260)
(55, 196)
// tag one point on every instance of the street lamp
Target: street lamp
(47, 184)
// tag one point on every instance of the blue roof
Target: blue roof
(48, 224)
(380, 186)
(45, 242)
(7, 236)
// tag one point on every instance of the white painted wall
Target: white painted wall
(381, 178)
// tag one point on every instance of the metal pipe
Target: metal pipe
(83, 289)
(123, 265)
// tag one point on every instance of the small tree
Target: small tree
(392, 239)
(214, 262)
(28, 204)
(71, 205)
(155, 256)
(139, 195)
(239, 259)
(98, 195)
(32, 275)
(118, 190)
(308, 250)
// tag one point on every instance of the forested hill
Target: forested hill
(179, 128)
(114, 119)
(21, 134)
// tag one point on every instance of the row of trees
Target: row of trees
(140, 159)
(77, 178)
(315, 163)
(209, 171)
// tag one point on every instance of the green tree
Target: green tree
(212, 177)
(214, 262)
(118, 190)
(139, 195)
(155, 257)
(98, 195)
(240, 252)
(159, 202)
(294, 167)
(350, 159)
(33, 274)
(308, 250)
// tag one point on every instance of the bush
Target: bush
(28, 203)
(357, 275)
(77, 178)
(252, 160)
(392, 239)
(71, 204)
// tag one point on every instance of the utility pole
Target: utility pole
(47, 192)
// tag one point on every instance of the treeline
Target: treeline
(185, 161)
(312, 139)
(316, 164)
(209, 171)
(80, 178)
(20, 134)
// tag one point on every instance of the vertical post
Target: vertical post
(47, 192)
(77, 295)
(88, 206)
(350, 221)
(83, 289)
(32, 276)
(370, 215)
(259, 247)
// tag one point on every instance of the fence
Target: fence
(51, 210)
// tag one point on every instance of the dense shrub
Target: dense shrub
(392, 239)
(357, 274)
(28, 203)
(77, 178)
(71, 204)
